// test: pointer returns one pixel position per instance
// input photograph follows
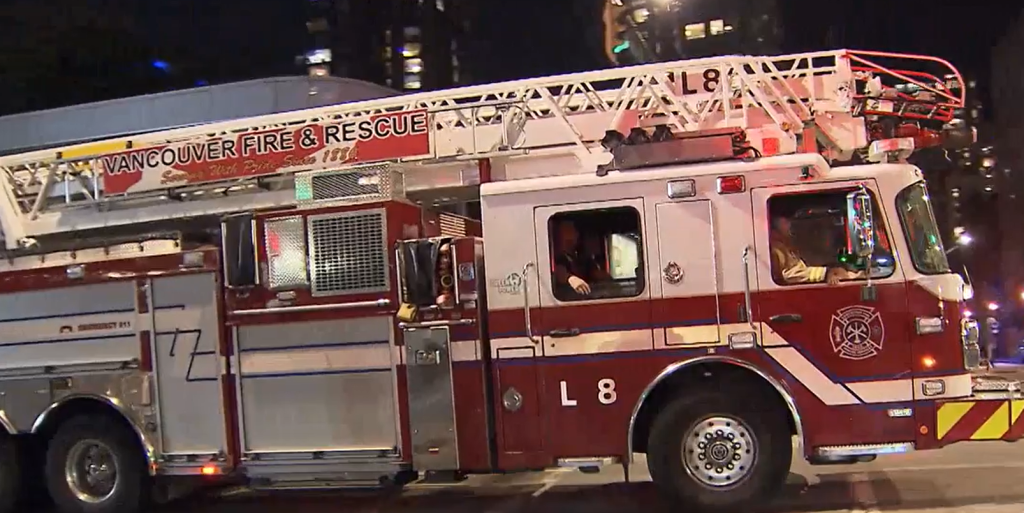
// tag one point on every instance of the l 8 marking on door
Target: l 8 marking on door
(605, 392)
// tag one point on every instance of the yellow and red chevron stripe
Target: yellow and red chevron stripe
(957, 421)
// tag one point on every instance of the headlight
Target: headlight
(969, 332)
(969, 335)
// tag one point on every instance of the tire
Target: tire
(112, 447)
(749, 451)
(10, 475)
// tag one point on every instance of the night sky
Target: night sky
(62, 52)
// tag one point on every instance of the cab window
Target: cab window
(808, 240)
(596, 254)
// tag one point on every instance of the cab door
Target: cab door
(586, 335)
(846, 345)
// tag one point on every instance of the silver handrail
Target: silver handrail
(748, 308)
(526, 302)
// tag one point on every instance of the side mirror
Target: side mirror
(238, 238)
(860, 227)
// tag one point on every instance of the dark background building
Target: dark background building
(407, 45)
(648, 31)
(1007, 86)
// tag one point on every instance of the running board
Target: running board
(304, 469)
(841, 452)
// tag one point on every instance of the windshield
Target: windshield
(921, 230)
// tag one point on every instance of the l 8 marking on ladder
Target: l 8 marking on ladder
(711, 78)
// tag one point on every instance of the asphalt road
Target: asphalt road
(969, 478)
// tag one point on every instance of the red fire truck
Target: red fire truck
(708, 262)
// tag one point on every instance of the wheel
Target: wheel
(714, 451)
(95, 465)
(10, 475)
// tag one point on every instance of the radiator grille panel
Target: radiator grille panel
(348, 253)
(451, 225)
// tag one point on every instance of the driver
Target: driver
(787, 264)
(572, 268)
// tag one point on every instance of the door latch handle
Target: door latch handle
(574, 332)
(782, 318)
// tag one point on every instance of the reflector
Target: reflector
(731, 184)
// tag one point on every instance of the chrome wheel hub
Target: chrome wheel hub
(719, 451)
(91, 471)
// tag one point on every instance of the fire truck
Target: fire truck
(288, 299)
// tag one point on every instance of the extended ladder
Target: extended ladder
(780, 102)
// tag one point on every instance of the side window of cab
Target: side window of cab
(596, 254)
(808, 240)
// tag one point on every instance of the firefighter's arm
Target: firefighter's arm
(798, 271)
(561, 272)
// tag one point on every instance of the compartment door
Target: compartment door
(186, 346)
(690, 284)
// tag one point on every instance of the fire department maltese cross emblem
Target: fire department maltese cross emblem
(857, 332)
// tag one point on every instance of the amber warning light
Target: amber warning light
(731, 184)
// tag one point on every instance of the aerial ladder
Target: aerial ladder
(843, 104)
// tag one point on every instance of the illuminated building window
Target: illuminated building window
(717, 27)
(414, 65)
(411, 50)
(317, 25)
(413, 82)
(695, 31)
(318, 56)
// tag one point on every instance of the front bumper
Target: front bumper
(993, 412)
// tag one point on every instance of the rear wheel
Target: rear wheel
(714, 453)
(95, 465)
(10, 474)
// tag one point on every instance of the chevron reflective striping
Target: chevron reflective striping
(1016, 431)
(979, 420)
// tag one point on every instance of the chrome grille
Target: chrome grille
(364, 184)
(348, 253)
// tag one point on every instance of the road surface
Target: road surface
(970, 478)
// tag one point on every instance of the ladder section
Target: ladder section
(251, 163)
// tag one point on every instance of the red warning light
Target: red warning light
(731, 184)
(273, 243)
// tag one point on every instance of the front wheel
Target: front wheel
(10, 474)
(95, 465)
(717, 452)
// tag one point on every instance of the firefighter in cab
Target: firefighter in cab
(790, 267)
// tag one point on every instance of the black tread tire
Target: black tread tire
(10, 475)
(774, 452)
(132, 489)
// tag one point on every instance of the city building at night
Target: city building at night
(643, 31)
(405, 45)
(1007, 89)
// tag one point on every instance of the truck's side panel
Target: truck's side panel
(72, 326)
(317, 386)
(686, 263)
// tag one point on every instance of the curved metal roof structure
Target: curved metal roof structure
(174, 109)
